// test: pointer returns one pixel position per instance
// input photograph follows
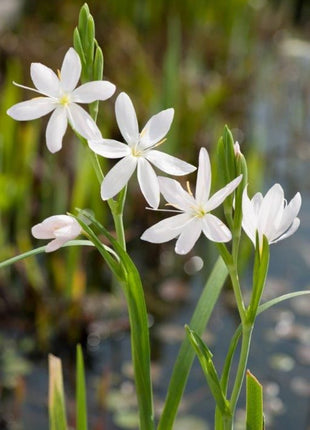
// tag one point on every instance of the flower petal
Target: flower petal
(214, 229)
(31, 109)
(55, 130)
(109, 148)
(70, 70)
(188, 237)
(203, 182)
(126, 119)
(148, 183)
(156, 128)
(166, 229)
(175, 194)
(55, 244)
(82, 122)
(118, 177)
(92, 91)
(169, 164)
(271, 211)
(294, 226)
(44, 79)
(289, 214)
(221, 195)
(249, 215)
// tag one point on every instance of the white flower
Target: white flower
(195, 214)
(61, 228)
(270, 216)
(139, 152)
(61, 96)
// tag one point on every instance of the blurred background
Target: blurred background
(244, 63)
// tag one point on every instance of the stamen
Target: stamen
(160, 142)
(26, 88)
(59, 74)
(164, 210)
(189, 188)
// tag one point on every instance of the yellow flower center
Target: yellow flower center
(64, 100)
(136, 152)
(200, 212)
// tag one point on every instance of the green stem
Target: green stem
(237, 291)
(247, 329)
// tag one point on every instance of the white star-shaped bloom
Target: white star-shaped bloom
(138, 153)
(270, 216)
(194, 217)
(60, 95)
(60, 228)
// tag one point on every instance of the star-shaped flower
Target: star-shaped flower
(270, 216)
(194, 217)
(60, 95)
(138, 153)
(60, 228)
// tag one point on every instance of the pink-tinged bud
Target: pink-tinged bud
(60, 228)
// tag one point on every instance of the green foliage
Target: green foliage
(186, 354)
(81, 404)
(254, 403)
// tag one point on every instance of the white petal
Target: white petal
(175, 194)
(55, 130)
(148, 183)
(289, 214)
(82, 122)
(168, 163)
(118, 177)
(109, 148)
(203, 182)
(156, 128)
(188, 237)
(126, 119)
(249, 216)
(271, 211)
(55, 244)
(290, 231)
(70, 70)
(44, 79)
(92, 91)
(31, 109)
(166, 229)
(221, 195)
(214, 229)
(42, 231)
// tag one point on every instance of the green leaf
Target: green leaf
(254, 403)
(56, 397)
(270, 303)
(41, 250)
(205, 358)
(81, 403)
(186, 354)
(140, 344)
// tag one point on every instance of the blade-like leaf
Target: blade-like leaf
(254, 403)
(272, 302)
(186, 354)
(81, 403)
(56, 396)
(205, 358)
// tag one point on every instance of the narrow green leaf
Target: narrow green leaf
(41, 250)
(140, 344)
(229, 358)
(205, 358)
(98, 63)
(186, 354)
(254, 403)
(272, 302)
(81, 403)
(56, 396)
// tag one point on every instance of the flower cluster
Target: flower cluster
(269, 216)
